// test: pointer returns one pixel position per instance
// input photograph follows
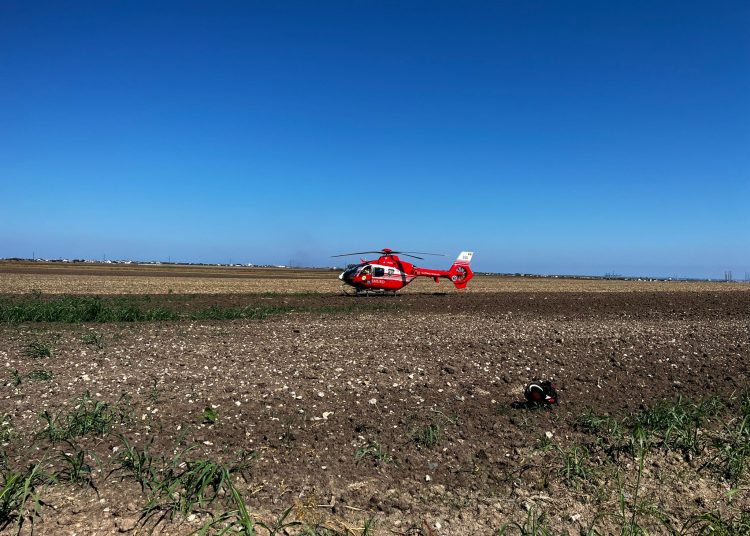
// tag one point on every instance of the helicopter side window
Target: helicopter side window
(379, 271)
(366, 270)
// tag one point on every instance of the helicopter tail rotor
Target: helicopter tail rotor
(460, 273)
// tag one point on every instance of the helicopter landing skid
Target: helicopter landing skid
(348, 290)
(374, 292)
(353, 291)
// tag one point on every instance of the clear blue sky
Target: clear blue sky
(548, 137)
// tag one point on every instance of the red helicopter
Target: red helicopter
(389, 273)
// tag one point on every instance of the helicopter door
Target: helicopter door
(366, 275)
(377, 273)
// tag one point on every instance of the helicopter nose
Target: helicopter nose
(341, 276)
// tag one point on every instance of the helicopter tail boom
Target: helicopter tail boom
(459, 274)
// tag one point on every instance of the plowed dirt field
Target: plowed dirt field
(400, 415)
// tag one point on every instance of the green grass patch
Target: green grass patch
(40, 375)
(669, 425)
(535, 524)
(375, 452)
(88, 416)
(711, 429)
(676, 425)
(6, 428)
(15, 378)
(93, 338)
(74, 309)
(429, 435)
(575, 467)
(179, 485)
(38, 349)
(135, 462)
(732, 444)
(714, 524)
(185, 487)
(210, 416)
(20, 496)
(77, 465)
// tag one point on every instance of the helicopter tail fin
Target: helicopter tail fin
(460, 273)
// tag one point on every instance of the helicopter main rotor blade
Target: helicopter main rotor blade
(420, 253)
(391, 252)
(358, 253)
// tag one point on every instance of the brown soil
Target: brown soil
(305, 391)
(106, 279)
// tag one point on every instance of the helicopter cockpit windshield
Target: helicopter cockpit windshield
(351, 271)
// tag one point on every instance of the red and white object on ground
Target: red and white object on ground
(541, 393)
(389, 273)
